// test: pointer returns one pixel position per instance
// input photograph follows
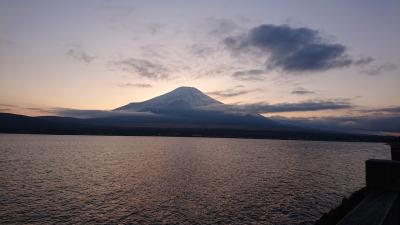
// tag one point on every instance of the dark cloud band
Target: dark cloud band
(347, 123)
(260, 108)
(292, 49)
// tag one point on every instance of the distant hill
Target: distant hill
(19, 124)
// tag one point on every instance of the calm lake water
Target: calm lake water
(160, 180)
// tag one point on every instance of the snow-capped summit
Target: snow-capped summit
(186, 107)
(180, 98)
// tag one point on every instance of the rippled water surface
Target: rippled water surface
(160, 180)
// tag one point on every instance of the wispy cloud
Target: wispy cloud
(231, 92)
(292, 49)
(143, 68)
(77, 53)
(201, 50)
(84, 114)
(379, 69)
(154, 28)
(135, 85)
(249, 75)
(6, 105)
(391, 110)
(116, 15)
(221, 26)
(302, 91)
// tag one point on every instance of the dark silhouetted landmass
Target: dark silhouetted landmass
(12, 123)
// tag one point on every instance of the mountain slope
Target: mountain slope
(180, 98)
(189, 107)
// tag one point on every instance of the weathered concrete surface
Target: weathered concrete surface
(382, 175)
(378, 208)
(382, 204)
(338, 213)
(395, 150)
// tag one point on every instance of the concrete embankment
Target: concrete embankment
(347, 204)
(379, 202)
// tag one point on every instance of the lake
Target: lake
(167, 180)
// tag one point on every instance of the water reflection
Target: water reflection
(150, 180)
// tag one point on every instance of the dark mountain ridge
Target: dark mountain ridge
(19, 124)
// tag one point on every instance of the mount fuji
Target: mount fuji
(180, 98)
(188, 107)
(185, 111)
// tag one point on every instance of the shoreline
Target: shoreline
(211, 133)
(334, 215)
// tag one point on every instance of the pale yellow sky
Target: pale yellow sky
(48, 61)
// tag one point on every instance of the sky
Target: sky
(317, 59)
